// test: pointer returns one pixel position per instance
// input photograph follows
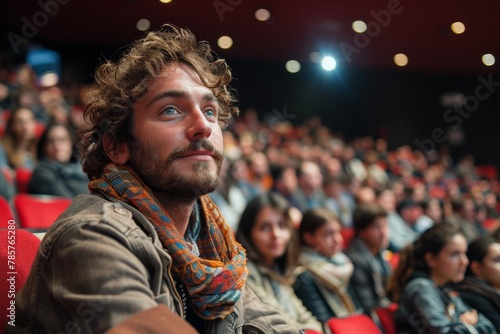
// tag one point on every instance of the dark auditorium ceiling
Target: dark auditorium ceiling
(418, 28)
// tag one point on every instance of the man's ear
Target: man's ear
(118, 153)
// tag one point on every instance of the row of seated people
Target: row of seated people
(306, 274)
(319, 282)
(45, 165)
(52, 168)
(57, 173)
(27, 245)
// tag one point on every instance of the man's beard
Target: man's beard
(162, 176)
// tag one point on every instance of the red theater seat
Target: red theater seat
(23, 177)
(386, 317)
(6, 213)
(354, 324)
(39, 211)
(18, 249)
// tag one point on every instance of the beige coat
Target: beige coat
(296, 312)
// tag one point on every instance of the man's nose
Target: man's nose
(200, 127)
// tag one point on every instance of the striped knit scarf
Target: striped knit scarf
(215, 278)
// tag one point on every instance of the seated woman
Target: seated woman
(420, 285)
(18, 144)
(58, 173)
(481, 286)
(265, 230)
(322, 286)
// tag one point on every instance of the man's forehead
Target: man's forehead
(178, 80)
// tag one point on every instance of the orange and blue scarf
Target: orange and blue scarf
(215, 278)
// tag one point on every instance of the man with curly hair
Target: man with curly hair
(148, 238)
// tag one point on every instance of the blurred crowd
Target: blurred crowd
(280, 184)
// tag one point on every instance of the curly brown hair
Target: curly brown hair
(119, 84)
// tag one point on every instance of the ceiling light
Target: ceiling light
(359, 26)
(488, 59)
(458, 28)
(328, 63)
(401, 59)
(143, 24)
(292, 66)
(166, 1)
(262, 14)
(225, 42)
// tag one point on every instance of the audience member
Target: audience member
(420, 285)
(433, 208)
(413, 214)
(371, 270)
(18, 144)
(148, 234)
(286, 183)
(59, 171)
(228, 197)
(338, 199)
(310, 194)
(400, 233)
(267, 233)
(323, 285)
(464, 216)
(481, 285)
(259, 170)
(365, 195)
(240, 175)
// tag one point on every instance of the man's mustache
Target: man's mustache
(198, 145)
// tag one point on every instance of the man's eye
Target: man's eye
(211, 113)
(169, 111)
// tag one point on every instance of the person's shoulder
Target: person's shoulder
(88, 211)
(42, 167)
(419, 284)
(357, 250)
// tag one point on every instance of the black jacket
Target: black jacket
(482, 297)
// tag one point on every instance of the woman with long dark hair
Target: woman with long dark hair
(266, 232)
(420, 285)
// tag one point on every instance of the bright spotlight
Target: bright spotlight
(328, 63)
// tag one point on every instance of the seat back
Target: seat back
(353, 324)
(18, 250)
(23, 177)
(386, 318)
(39, 211)
(6, 213)
(347, 234)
